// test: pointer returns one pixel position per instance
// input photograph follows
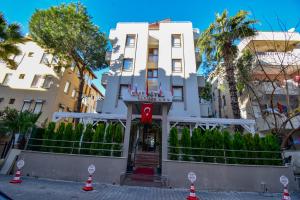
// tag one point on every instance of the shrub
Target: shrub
(108, 139)
(77, 137)
(118, 138)
(173, 141)
(67, 136)
(49, 134)
(227, 143)
(197, 142)
(271, 144)
(58, 135)
(98, 137)
(185, 144)
(238, 144)
(37, 133)
(208, 144)
(87, 138)
(249, 145)
(218, 145)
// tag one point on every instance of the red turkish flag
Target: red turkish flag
(146, 113)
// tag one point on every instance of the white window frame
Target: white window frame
(124, 62)
(28, 103)
(45, 58)
(67, 87)
(7, 79)
(40, 103)
(73, 94)
(176, 40)
(130, 40)
(174, 67)
(37, 82)
(177, 98)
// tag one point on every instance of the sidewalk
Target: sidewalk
(41, 189)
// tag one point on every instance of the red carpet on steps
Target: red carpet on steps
(144, 170)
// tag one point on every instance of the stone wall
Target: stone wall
(223, 177)
(72, 167)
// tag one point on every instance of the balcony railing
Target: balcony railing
(278, 58)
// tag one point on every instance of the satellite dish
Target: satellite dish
(292, 30)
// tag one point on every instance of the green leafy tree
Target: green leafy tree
(49, 134)
(197, 142)
(118, 139)
(67, 136)
(108, 140)
(174, 143)
(77, 136)
(185, 144)
(218, 43)
(205, 93)
(68, 32)
(87, 138)
(98, 137)
(10, 35)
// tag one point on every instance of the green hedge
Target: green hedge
(209, 145)
(79, 134)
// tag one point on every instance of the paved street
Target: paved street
(32, 189)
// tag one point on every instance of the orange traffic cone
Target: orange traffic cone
(286, 195)
(192, 195)
(88, 184)
(17, 178)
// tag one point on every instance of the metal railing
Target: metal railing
(226, 156)
(75, 147)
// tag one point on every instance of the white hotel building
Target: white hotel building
(162, 55)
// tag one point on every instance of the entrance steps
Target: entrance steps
(146, 159)
(143, 180)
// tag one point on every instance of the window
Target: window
(178, 93)
(130, 40)
(26, 105)
(176, 65)
(73, 93)
(11, 101)
(67, 86)
(6, 79)
(176, 40)
(152, 73)
(30, 54)
(61, 108)
(47, 82)
(21, 76)
(122, 91)
(54, 60)
(127, 64)
(36, 81)
(38, 107)
(45, 59)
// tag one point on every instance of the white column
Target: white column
(127, 131)
(165, 133)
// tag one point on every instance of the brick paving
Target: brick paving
(42, 189)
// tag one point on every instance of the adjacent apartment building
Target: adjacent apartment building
(274, 75)
(36, 84)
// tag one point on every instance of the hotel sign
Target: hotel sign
(153, 96)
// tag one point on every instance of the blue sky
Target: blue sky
(106, 13)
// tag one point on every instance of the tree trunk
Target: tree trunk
(80, 90)
(233, 92)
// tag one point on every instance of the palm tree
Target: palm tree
(10, 35)
(218, 44)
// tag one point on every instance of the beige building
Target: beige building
(37, 85)
(276, 61)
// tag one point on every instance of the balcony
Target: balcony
(205, 108)
(267, 88)
(278, 58)
(152, 61)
